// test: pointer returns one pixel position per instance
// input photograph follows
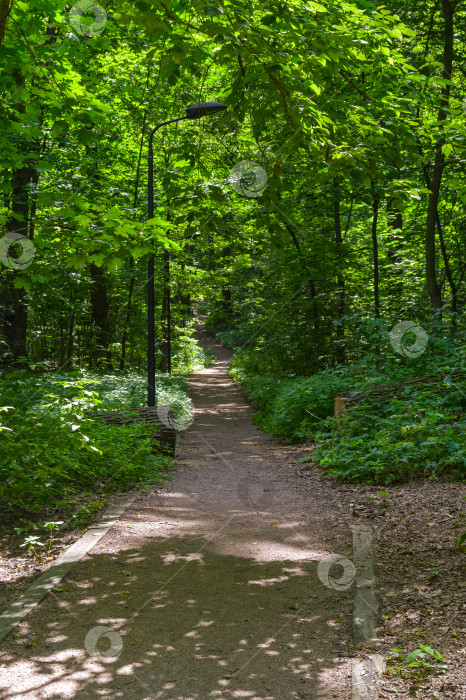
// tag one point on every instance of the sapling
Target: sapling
(51, 526)
(31, 543)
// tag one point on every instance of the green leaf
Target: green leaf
(447, 148)
(85, 137)
(274, 68)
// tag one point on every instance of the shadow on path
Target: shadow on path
(209, 589)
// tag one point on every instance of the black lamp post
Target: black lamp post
(196, 111)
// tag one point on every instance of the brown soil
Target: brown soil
(421, 575)
(19, 567)
(421, 579)
(212, 586)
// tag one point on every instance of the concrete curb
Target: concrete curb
(366, 670)
(366, 674)
(65, 562)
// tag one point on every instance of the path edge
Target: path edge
(368, 668)
(37, 591)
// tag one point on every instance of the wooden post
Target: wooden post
(340, 410)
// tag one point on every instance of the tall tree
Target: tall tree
(434, 289)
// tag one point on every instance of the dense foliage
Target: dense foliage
(54, 450)
(350, 218)
(402, 419)
(59, 452)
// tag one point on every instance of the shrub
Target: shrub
(51, 449)
(421, 435)
(291, 408)
(419, 430)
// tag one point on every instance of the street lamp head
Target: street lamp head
(202, 109)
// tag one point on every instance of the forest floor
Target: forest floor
(211, 583)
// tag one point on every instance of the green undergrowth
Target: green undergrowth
(394, 430)
(52, 451)
(232, 337)
(421, 433)
(188, 355)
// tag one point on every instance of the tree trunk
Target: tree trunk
(5, 9)
(433, 287)
(312, 288)
(395, 222)
(185, 301)
(446, 262)
(129, 303)
(448, 274)
(70, 350)
(166, 345)
(100, 318)
(340, 348)
(13, 306)
(395, 285)
(61, 357)
(124, 337)
(226, 301)
(22, 205)
(375, 251)
(13, 311)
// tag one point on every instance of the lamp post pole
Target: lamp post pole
(150, 271)
(192, 112)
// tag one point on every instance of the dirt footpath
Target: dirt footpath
(208, 589)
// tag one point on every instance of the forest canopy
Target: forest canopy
(325, 205)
